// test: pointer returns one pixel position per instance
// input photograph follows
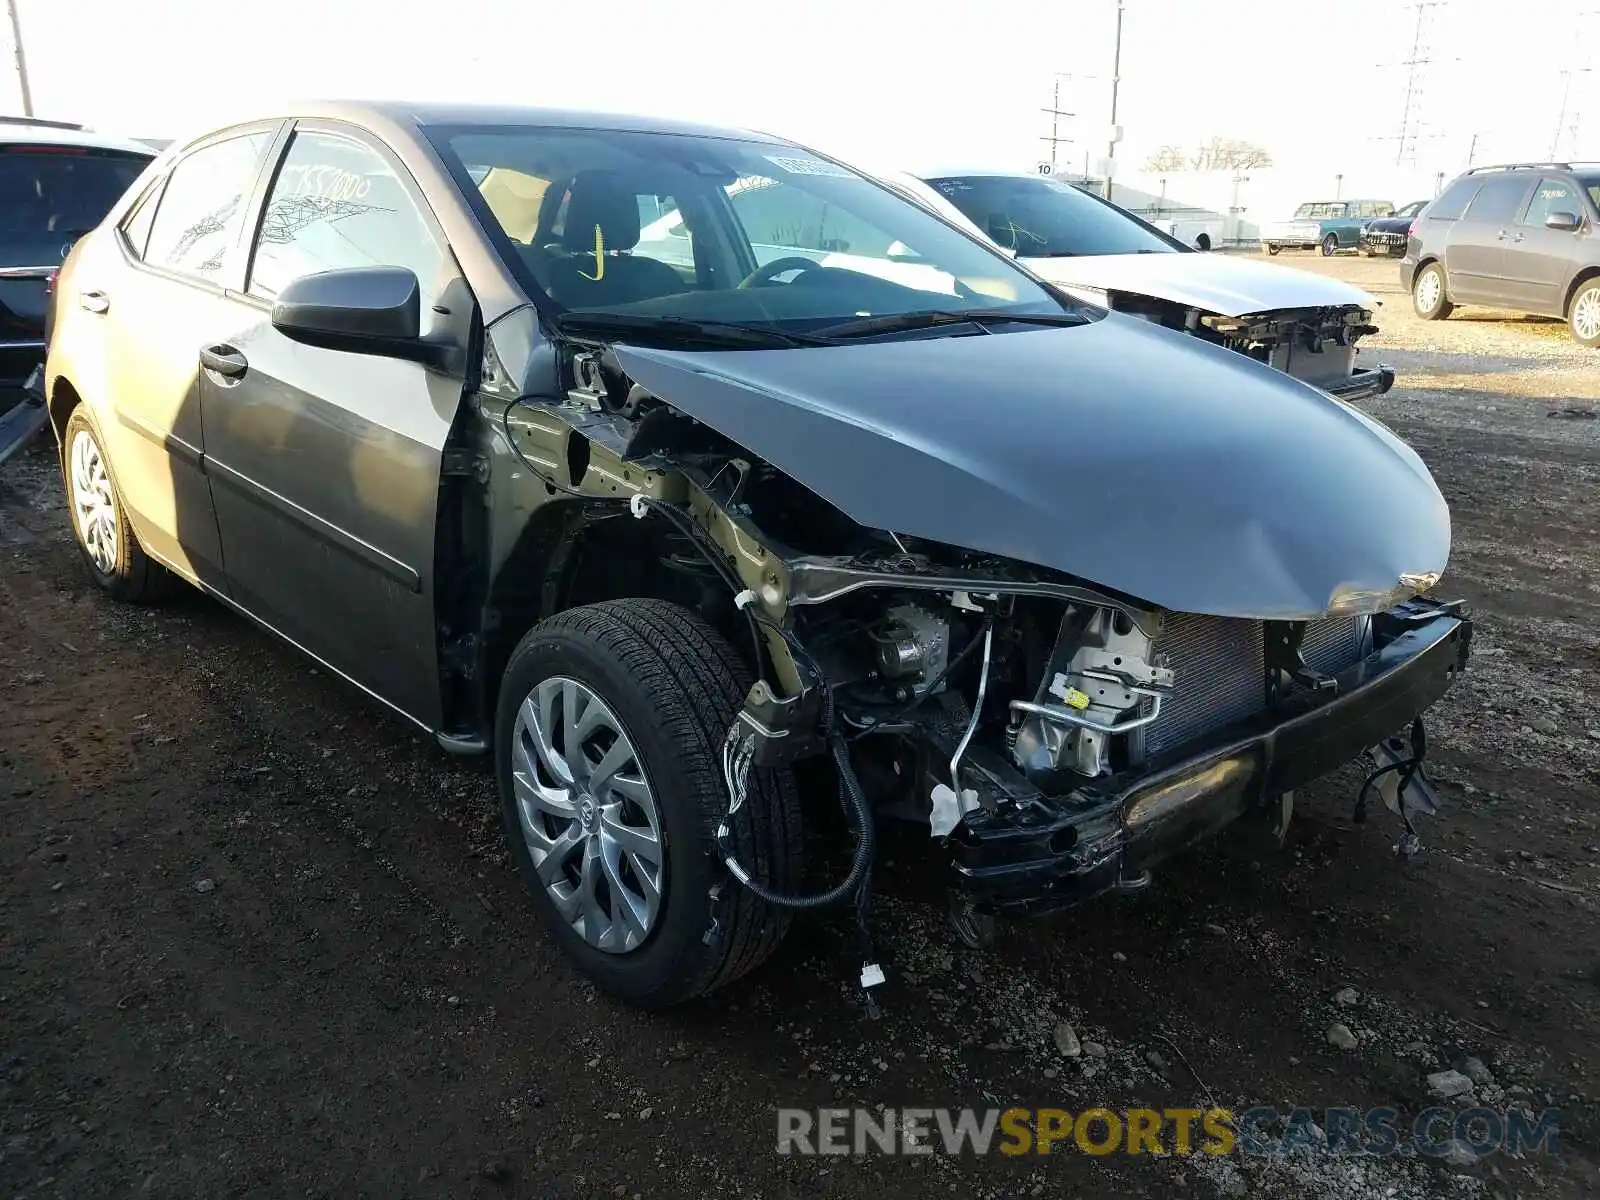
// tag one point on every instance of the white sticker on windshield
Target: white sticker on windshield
(808, 166)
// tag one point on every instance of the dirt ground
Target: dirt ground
(258, 939)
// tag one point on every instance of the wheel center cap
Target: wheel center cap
(588, 814)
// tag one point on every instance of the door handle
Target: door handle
(224, 360)
(95, 302)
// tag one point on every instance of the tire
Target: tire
(1330, 245)
(1583, 314)
(671, 685)
(1274, 250)
(1430, 295)
(111, 551)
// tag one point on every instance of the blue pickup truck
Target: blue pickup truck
(1334, 225)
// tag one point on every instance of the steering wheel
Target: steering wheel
(763, 275)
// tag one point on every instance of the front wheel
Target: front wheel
(1428, 295)
(608, 743)
(1583, 318)
(111, 551)
(1273, 250)
(1330, 245)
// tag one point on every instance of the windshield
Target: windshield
(1319, 212)
(683, 227)
(1412, 209)
(49, 196)
(1045, 218)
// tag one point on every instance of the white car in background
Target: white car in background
(1302, 323)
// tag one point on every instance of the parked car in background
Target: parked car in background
(1525, 236)
(1299, 322)
(57, 181)
(1066, 591)
(1388, 235)
(1333, 225)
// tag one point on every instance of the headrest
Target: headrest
(600, 198)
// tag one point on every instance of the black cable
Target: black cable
(1409, 768)
(505, 427)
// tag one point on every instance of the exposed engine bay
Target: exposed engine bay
(1316, 344)
(1054, 737)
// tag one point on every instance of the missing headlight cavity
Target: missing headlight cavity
(577, 458)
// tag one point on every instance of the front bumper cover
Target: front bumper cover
(1051, 852)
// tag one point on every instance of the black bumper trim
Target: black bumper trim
(1063, 850)
(1363, 384)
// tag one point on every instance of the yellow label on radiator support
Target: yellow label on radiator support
(1075, 698)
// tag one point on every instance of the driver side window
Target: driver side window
(782, 220)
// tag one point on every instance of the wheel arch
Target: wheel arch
(572, 553)
(1587, 275)
(60, 403)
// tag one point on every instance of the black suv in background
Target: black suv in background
(1525, 236)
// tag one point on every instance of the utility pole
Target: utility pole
(1055, 115)
(22, 62)
(1116, 78)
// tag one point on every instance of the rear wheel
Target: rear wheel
(1583, 316)
(609, 736)
(1428, 294)
(1273, 250)
(111, 551)
(1330, 245)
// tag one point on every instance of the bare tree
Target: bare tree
(1227, 154)
(1168, 158)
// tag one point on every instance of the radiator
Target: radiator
(1221, 670)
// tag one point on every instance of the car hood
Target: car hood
(1389, 224)
(1128, 455)
(1216, 283)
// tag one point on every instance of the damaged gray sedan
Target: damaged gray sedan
(805, 485)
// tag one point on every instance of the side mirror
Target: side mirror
(359, 310)
(1564, 221)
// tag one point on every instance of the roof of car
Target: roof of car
(424, 114)
(27, 131)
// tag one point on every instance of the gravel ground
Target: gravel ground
(255, 938)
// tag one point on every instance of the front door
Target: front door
(156, 308)
(325, 465)
(1540, 261)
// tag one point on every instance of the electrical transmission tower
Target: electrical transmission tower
(1416, 71)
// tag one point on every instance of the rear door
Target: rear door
(325, 465)
(1475, 256)
(179, 250)
(50, 196)
(1540, 261)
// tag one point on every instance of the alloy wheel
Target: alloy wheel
(94, 504)
(1429, 288)
(588, 815)
(1586, 315)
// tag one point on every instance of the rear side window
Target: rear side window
(1453, 201)
(56, 194)
(202, 209)
(337, 203)
(1498, 199)
(136, 225)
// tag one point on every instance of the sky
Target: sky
(879, 82)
